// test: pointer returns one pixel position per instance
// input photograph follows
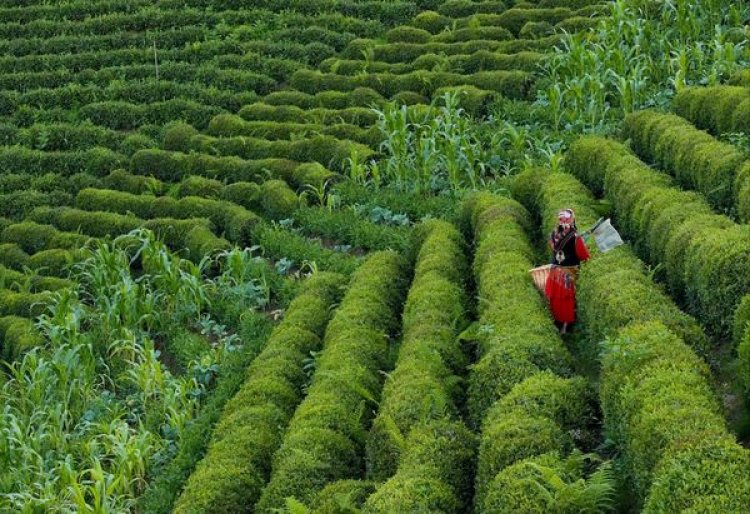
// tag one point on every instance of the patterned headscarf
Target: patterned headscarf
(566, 216)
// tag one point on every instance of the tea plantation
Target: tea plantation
(273, 256)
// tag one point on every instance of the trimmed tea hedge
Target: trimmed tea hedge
(543, 414)
(174, 166)
(718, 109)
(237, 463)
(512, 84)
(706, 257)
(236, 222)
(664, 417)
(436, 467)
(326, 150)
(94, 161)
(17, 335)
(508, 351)
(325, 438)
(422, 386)
(193, 235)
(230, 125)
(635, 299)
(260, 111)
(659, 408)
(695, 158)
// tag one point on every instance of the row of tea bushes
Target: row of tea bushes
(695, 158)
(17, 335)
(34, 283)
(718, 109)
(407, 52)
(171, 166)
(362, 97)
(260, 111)
(230, 125)
(512, 84)
(114, 40)
(237, 463)
(517, 21)
(149, 91)
(52, 262)
(325, 438)
(326, 150)
(417, 444)
(659, 408)
(508, 352)
(481, 60)
(94, 161)
(635, 299)
(233, 220)
(120, 115)
(434, 472)
(23, 304)
(706, 257)
(517, 390)
(193, 235)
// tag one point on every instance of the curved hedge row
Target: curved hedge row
(543, 416)
(235, 221)
(508, 352)
(512, 84)
(517, 393)
(119, 115)
(718, 109)
(151, 91)
(94, 161)
(658, 406)
(193, 235)
(261, 111)
(325, 438)
(174, 166)
(481, 60)
(17, 335)
(326, 150)
(422, 388)
(696, 159)
(34, 237)
(53, 262)
(237, 463)
(706, 257)
(359, 97)
(230, 125)
(434, 472)
(35, 283)
(409, 52)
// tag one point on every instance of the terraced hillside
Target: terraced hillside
(273, 256)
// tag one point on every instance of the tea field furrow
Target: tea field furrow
(523, 397)
(656, 396)
(237, 463)
(325, 438)
(418, 447)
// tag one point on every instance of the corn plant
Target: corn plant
(431, 149)
(639, 56)
(87, 415)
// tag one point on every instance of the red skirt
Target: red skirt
(560, 290)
